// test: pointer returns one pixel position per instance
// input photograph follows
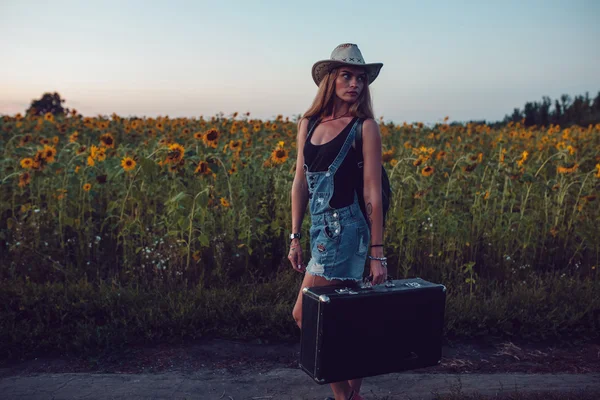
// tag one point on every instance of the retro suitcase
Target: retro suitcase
(356, 332)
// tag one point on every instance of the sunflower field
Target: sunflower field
(98, 212)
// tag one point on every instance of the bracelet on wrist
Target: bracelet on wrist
(378, 258)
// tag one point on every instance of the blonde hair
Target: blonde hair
(323, 103)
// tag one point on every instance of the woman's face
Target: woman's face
(349, 83)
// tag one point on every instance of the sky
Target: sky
(468, 60)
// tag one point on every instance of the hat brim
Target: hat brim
(322, 68)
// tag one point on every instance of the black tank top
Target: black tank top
(320, 157)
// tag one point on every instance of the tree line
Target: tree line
(580, 110)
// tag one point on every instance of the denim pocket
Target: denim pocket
(362, 240)
(332, 230)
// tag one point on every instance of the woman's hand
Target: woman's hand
(295, 256)
(378, 272)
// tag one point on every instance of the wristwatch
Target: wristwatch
(295, 235)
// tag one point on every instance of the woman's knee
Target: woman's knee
(297, 314)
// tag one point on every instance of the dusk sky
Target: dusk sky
(465, 59)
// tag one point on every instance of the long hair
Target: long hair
(323, 103)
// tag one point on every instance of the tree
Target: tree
(49, 103)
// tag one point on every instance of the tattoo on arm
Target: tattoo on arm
(369, 212)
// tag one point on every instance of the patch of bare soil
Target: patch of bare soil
(458, 357)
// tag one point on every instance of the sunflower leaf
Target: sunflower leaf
(176, 198)
(203, 239)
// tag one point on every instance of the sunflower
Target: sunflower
(90, 161)
(48, 154)
(236, 145)
(388, 155)
(74, 137)
(175, 154)
(198, 135)
(107, 140)
(203, 168)
(427, 171)
(440, 155)
(186, 131)
(25, 139)
(101, 154)
(470, 167)
(128, 164)
(211, 137)
(49, 117)
(224, 202)
(280, 154)
(256, 127)
(44, 141)
(27, 163)
(568, 169)
(55, 140)
(87, 187)
(24, 179)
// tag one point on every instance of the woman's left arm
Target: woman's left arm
(372, 177)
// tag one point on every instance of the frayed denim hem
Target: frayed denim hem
(320, 271)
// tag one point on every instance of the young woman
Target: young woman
(326, 176)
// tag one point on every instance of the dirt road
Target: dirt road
(219, 369)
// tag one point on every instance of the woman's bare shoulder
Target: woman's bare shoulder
(370, 124)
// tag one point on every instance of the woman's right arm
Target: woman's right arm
(299, 191)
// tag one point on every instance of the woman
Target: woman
(326, 174)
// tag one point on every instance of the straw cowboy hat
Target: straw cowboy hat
(344, 54)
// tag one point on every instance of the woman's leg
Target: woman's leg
(341, 390)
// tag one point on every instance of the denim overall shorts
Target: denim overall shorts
(339, 238)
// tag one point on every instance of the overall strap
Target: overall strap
(344, 150)
(312, 124)
(359, 144)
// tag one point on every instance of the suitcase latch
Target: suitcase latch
(345, 291)
(413, 284)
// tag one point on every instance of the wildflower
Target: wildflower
(597, 170)
(568, 169)
(49, 117)
(388, 155)
(101, 154)
(440, 155)
(280, 154)
(224, 202)
(175, 154)
(25, 139)
(24, 179)
(74, 137)
(48, 154)
(203, 168)
(107, 140)
(87, 187)
(128, 164)
(427, 171)
(236, 145)
(27, 163)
